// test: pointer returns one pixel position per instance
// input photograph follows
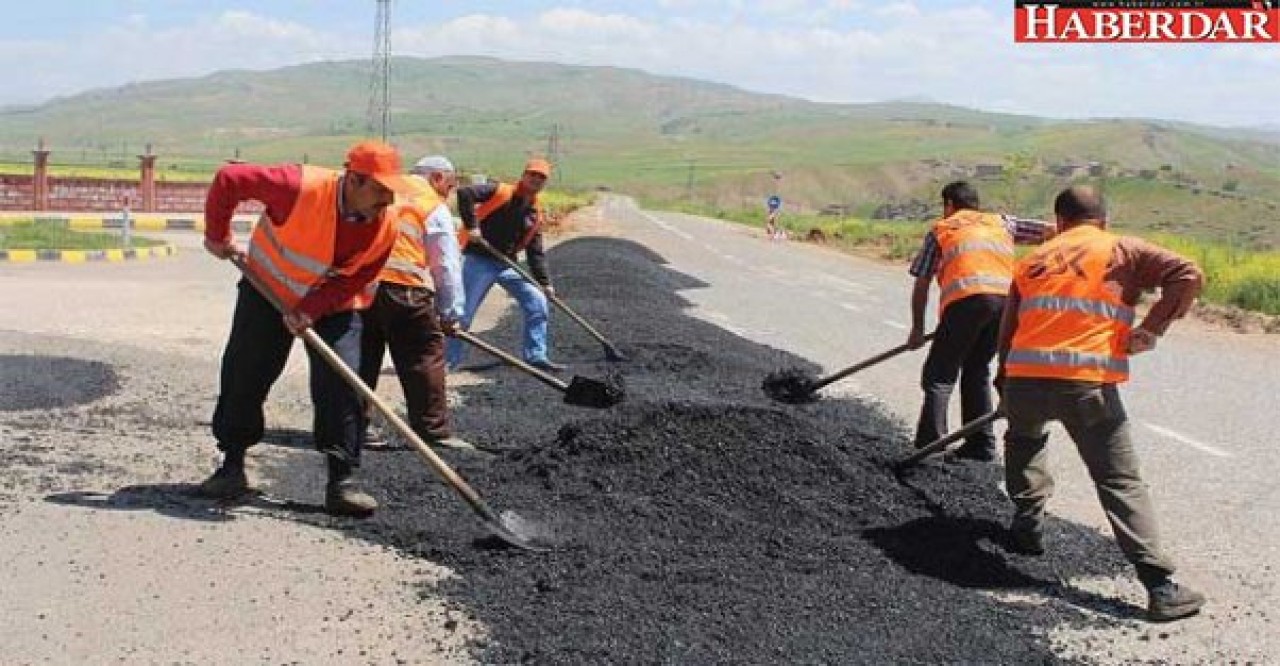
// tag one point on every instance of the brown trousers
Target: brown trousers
(404, 320)
(1095, 418)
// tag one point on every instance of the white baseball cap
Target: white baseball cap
(431, 164)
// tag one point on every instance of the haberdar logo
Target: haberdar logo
(1183, 21)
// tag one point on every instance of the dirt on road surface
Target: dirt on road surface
(699, 522)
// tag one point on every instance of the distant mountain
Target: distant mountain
(662, 137)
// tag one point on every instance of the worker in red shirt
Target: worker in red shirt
(318, 248)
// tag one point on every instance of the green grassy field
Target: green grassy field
(42, 236)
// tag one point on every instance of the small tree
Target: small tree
(1017, 167)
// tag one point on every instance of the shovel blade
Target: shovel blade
(792, 385)
(613, 355)
(511, 531)
(584, 392)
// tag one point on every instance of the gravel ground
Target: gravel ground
(107, 557)
(701, 523)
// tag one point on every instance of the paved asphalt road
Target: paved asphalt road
(1204, 406)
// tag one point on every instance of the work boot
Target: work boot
(1026, 540)
(978, 452)
(229, 481)
(342, 497)
(1170, 601)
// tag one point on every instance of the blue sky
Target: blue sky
(954, 51)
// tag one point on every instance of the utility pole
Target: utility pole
(553, 150)
(689, 183)
(379, 113)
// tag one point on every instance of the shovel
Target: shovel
(580, 391)
(946, 440)
(611, 352)
(503, 527)
(796, 386)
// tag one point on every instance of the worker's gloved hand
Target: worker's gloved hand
(449, 326)
(915, 339)
(474, 236)
(1141, 340)
(222, 249)
(297, 322)
(548, 290)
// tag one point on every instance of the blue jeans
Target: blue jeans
(479, 275)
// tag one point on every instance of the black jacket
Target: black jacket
(504, 228)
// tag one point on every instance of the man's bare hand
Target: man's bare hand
(297, 322)
(1141, 340)
(222, 249)
(549, 290)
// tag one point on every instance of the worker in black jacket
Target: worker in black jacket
(506, 218)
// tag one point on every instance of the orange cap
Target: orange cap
(381, 162)
(538, 165)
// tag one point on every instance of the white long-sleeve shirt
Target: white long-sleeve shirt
(445, 260)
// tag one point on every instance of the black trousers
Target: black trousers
(256, 353)
(963, 348)
(404, 320)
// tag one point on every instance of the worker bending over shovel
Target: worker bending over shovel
(970, 252)
(1065, 342)
(419, 301)
(318, 249)
(507, 218)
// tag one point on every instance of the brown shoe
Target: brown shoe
(1170, 601)
(345, 499)
(229, 482)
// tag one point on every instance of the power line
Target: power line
(379, 113)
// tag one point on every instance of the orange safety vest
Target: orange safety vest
(295, 257)
(1070, 326)
(976, 256)
(408, 263)
(501, 197)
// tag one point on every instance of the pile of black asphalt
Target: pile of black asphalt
(700, 522)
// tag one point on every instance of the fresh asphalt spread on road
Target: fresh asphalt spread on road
(701, 522)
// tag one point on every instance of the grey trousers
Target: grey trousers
(1095, 418)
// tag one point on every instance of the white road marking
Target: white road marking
(1183, 439)
(895, 324)
(666, 226)
(851, 307)
(841, 283)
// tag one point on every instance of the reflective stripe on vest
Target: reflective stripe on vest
(1123, 313)
(978, 284)
(1070, 325)
(296, 256)
(975, 256)
(501, 197)
(409, 264)
(1064, 358)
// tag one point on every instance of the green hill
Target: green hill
(672, 139)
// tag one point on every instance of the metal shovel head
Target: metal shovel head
(791, 385)
(613, 355)
(585, 392)
(512, 531)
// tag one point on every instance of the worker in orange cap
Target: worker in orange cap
(506, 218)
(318, 248)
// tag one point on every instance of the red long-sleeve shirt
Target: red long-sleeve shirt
(277, 187)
